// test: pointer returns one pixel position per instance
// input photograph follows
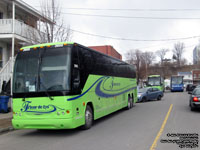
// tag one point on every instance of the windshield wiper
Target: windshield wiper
(39, 81)
(46, 90)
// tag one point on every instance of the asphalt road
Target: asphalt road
(135, 129)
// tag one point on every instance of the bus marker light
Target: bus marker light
(41, 46)
(27, 49)
(65, 44)
(59, 45)
(83, 103)
(48, 45)
(67, 111)
(35, 48)
(21, 49)
(195, 99)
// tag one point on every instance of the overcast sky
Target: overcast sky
(132, 28)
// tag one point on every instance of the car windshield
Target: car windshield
(154, 81)
(196, 91)
(177, 80)
(42, 70)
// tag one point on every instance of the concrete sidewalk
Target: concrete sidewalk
(5, 122)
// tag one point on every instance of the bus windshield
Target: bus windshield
(154, 81)
(177, 80)
(44, 70)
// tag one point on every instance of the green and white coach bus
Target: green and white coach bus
(66, 85)
(156, 81)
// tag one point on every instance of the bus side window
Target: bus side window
(76, 79)
(86, 64)
(76, 70)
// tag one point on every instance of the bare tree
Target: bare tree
(56, 31)
(149, 57)
(161, 54)
(136, 57)
(147, 60)
(178, 51)
(184, 62)
(141, 60)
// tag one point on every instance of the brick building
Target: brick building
(196, 76)
(107, 49)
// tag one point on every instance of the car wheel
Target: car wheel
(192, 108)
(144, 99)
(159, 97)
(88, 118)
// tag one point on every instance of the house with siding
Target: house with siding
(18, 27)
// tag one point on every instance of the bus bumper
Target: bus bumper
(44, 123)
(177, 89)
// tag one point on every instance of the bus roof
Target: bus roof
(46, 44)
(69, 43)
(154, 76)
(177, 76)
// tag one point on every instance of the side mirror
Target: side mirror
(189, 92)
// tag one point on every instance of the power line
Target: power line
(126, 9)
(132, 17)
(133, 9)
(135, 17)
(135, 40)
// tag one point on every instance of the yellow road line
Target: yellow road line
(153, 146)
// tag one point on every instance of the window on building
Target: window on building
(1, 57)
(1, 15)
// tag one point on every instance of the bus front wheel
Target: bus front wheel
(88, 118)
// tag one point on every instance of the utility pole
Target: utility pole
(13, 48)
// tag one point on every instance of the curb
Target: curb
(5, 130)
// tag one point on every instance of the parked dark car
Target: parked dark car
(190, 88)
(195, 99)
(146, 94)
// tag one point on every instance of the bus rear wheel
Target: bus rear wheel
(130, 103)
(88, 118)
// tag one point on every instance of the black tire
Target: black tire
(144, 99)
(131, 102)
(159, 97)
(88, 118)
(192, 108)
(129, 105)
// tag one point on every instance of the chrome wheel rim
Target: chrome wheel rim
(88, 117)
